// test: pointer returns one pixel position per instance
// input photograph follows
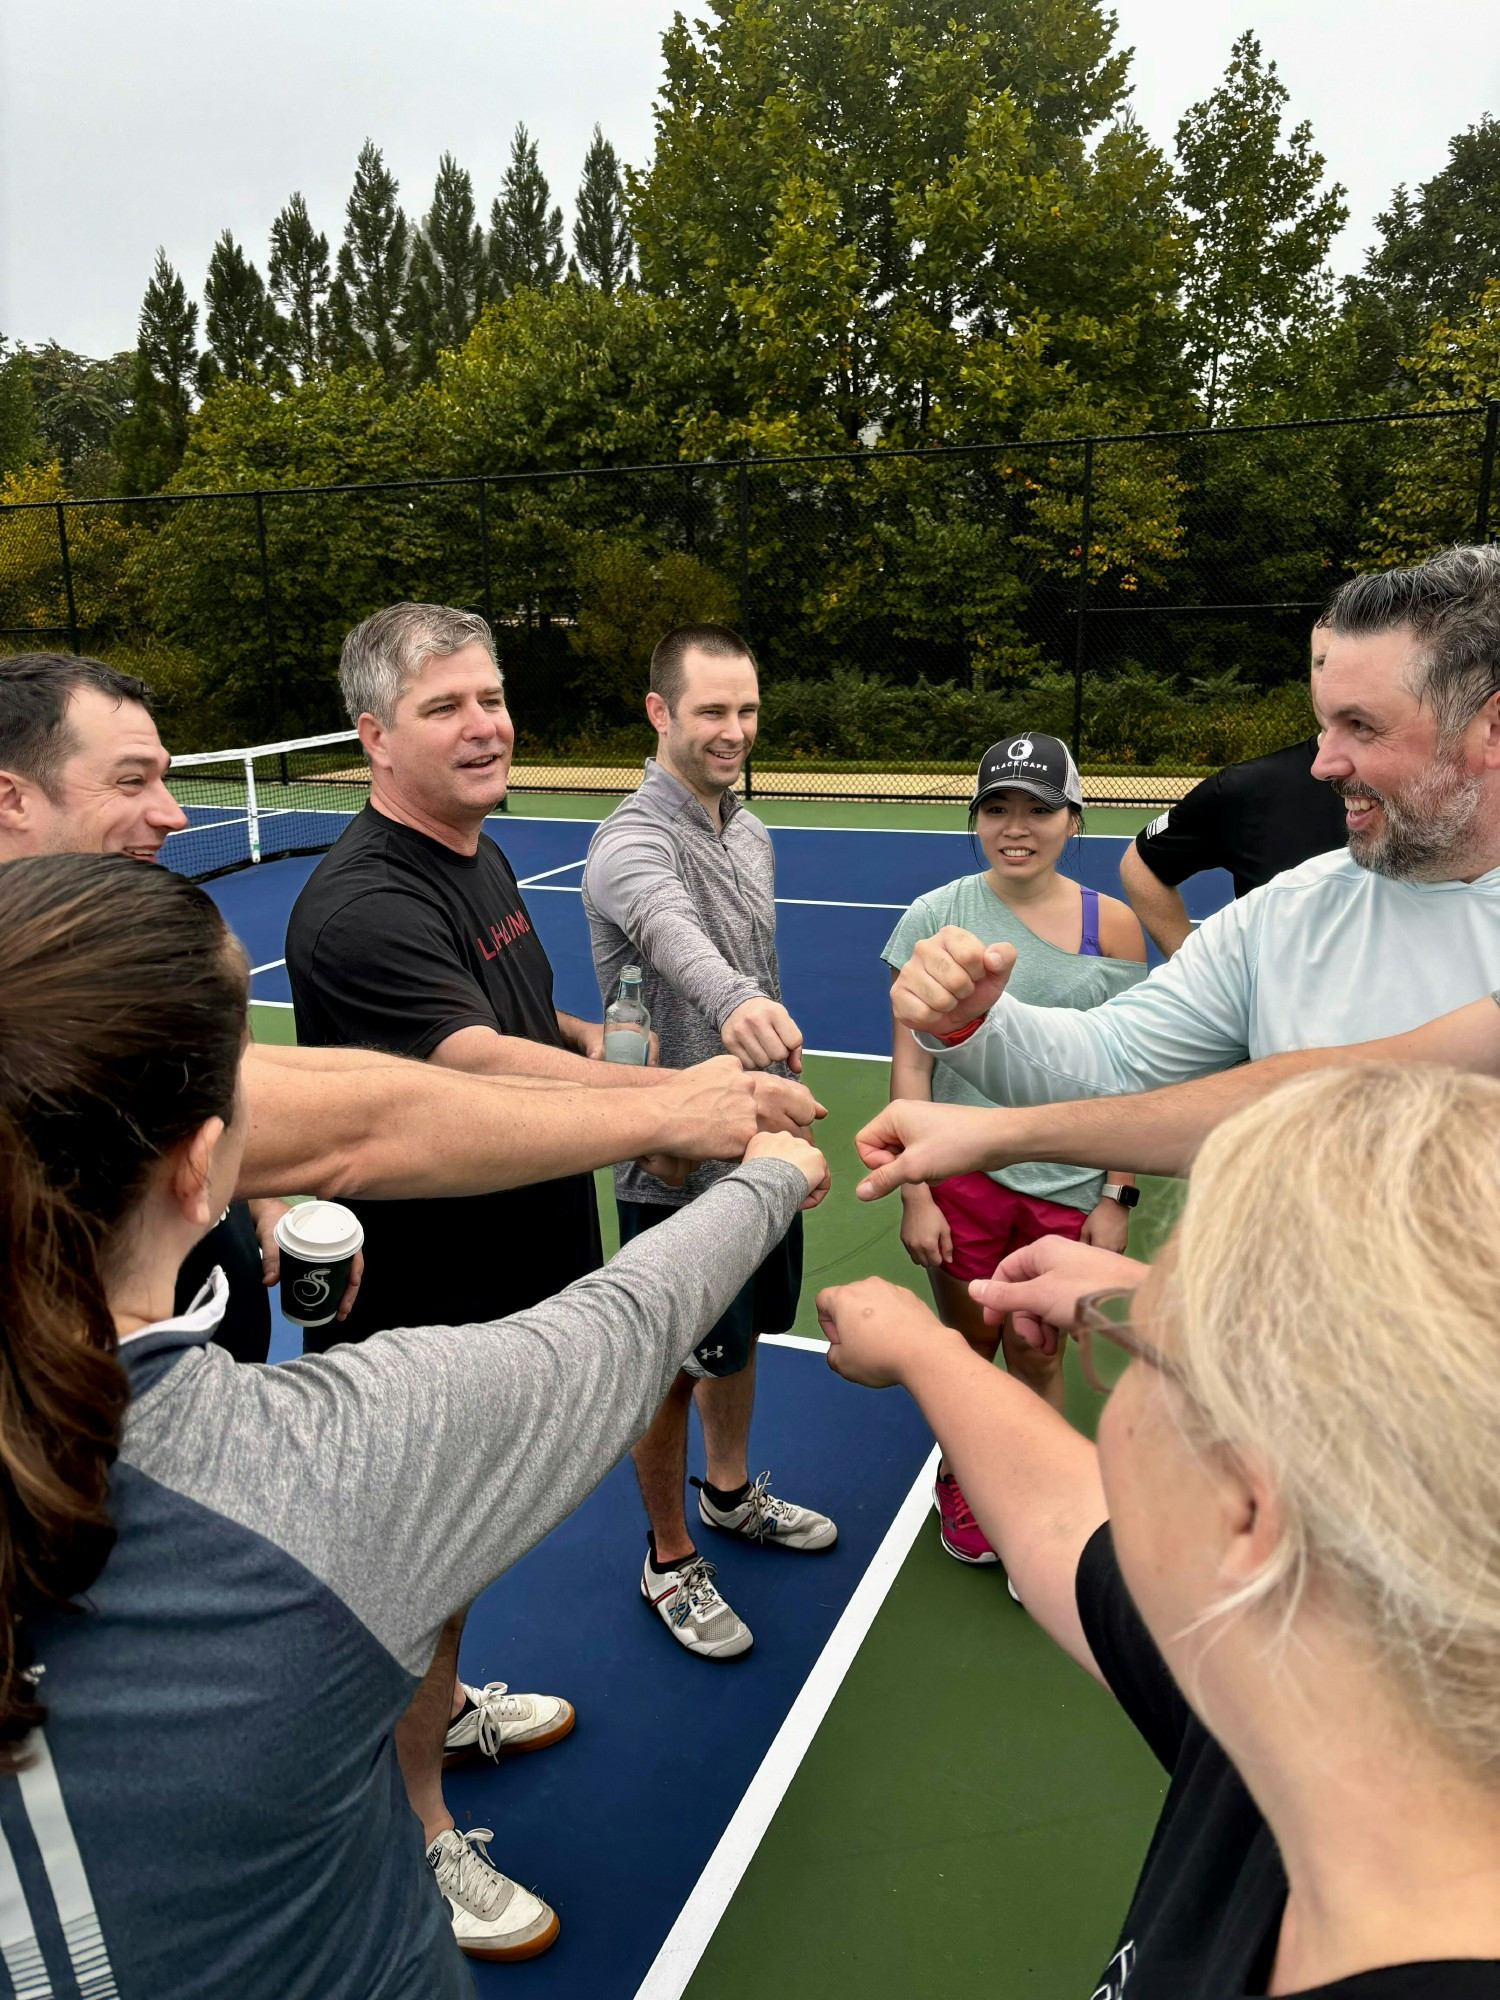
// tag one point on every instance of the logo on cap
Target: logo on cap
(1020, 750)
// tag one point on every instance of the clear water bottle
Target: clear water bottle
(627, 1024)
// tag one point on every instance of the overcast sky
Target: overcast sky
(161, 121)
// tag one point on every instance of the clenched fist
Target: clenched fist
(950, 980)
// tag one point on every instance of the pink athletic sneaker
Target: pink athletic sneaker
(962, 1535)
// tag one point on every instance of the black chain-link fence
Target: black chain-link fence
(1146, 596)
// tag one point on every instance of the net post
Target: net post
(252, 809)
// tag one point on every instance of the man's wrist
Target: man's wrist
(956, 1037)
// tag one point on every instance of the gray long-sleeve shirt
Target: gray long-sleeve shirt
(213, 1806)
(694, 905)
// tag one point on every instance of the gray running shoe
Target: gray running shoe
(689, 1605)
(761, 1517)
(492, 1916)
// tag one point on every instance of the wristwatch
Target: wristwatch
(1127, 1197)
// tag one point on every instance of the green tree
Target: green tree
(1260, 221)
(449, 275)
(241, 320)
(526, 247)
(1437, 250)
(364, 304)
(601, 234)
(1434, 488)
(79, 403)
(299, 281)
(889, 220)
(19, 439)
(149, 444)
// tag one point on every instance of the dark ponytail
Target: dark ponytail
(122, 1008)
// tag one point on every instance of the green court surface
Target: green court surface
(942, 817)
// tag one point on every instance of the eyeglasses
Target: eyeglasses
(1108, 1312)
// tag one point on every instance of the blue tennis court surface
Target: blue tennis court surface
(839, 893)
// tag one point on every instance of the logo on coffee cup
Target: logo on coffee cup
(312, 1288)
(1020, 751)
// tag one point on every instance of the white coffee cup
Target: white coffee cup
(318, 1241)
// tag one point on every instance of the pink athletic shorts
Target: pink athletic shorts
(988, 1221)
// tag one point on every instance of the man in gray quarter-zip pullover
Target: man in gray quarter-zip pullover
(680, 880)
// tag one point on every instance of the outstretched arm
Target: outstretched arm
(1157, 1132)
(387, 1128)
(1031, 1479)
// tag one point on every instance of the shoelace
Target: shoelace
(481, 1887)
(765, 1509)
(958, 1508)
(495, 1706)
(696, 1590)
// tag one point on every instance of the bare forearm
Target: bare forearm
(484, 1052)
(1031, 1479)
(1161, 910)
(412, 1129)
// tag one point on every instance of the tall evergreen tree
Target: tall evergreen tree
(1437, 251)
(299, 281)
(601, 234)
(1260, 220)
(449, 272)
(364, 305)
(526, 246)
(149, 443)
(18, 431)
(241, 321)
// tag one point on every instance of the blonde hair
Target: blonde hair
(1335, 1305)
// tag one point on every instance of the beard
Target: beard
(1427, 829)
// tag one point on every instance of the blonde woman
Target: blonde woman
(1284, 1555)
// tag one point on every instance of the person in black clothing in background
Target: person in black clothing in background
(1283, 1557)
(1255, 819)
(83, 771)
(411, 936)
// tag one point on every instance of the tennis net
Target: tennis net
(251, 805)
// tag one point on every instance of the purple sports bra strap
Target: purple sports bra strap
(1089, 943)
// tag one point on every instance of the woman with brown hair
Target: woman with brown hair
(1284, 1555)
(220, 1584)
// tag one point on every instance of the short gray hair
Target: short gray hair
(383, 656)
(1451, 605)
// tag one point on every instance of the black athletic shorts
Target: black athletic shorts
(765, 1303)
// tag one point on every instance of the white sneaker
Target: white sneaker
(500, 1723)
(692, 1610)
(493, 1917)
(761, 1517)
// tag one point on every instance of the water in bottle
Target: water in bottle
(627, 1024)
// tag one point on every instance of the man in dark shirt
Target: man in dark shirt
(1255, 819)
(411, 936)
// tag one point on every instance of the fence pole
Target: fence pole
(1487, 469)
(484, 555)
(67, 576)
(744, 512)
(265, 605)
(1079, 642)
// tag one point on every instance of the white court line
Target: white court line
(532, 881)
(688, 1938)
(269, 966)
(845, 1055)
(272, 1003)
(803, 1340)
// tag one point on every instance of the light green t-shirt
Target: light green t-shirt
(1044, 976)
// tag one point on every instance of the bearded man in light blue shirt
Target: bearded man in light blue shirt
(1400, 927)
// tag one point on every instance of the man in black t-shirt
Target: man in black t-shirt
(1255, 819)
(411, 936)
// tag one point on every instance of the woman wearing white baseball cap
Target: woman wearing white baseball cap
(1074, 948)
